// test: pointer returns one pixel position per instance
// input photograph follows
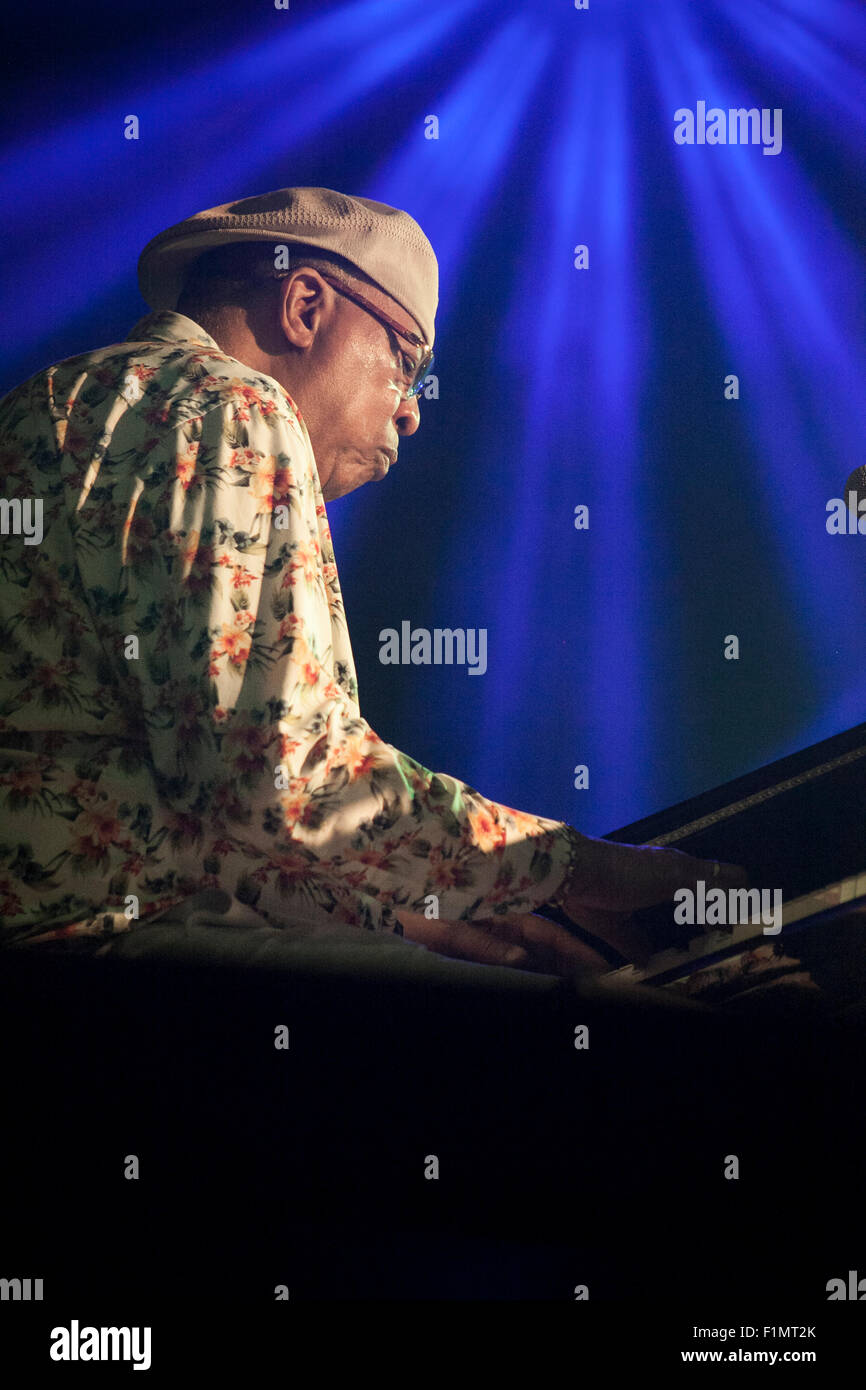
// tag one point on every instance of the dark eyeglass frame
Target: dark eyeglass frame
(422, 368)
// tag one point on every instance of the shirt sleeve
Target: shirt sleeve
(243, 682)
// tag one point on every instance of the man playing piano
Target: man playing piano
(180, 735)
(185, 774)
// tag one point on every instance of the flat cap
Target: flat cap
(384, 242)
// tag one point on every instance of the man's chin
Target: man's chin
(342, 490)
(344, 486)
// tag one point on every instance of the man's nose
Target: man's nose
(407, 416)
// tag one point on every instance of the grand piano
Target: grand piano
(799, 825)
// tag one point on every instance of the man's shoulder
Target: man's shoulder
(180, 377)
(195, 359)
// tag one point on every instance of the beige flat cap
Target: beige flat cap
(384, 242)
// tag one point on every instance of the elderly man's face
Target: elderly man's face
(350, 398)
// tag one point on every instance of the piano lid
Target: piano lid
(797, 824)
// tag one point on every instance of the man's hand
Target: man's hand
(523, 942)
(622, 878)
(611, 882)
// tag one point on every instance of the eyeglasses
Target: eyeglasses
(415, 374)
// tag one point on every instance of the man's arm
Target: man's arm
(244, 686)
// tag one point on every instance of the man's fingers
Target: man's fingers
(553, 950)
(465, 940)
(521, 942)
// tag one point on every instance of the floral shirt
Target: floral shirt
(178, 702)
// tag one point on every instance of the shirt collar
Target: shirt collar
(166, 325)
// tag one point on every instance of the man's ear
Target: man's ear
(303, 303)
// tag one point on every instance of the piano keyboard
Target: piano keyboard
(798, 824)
(847, 896)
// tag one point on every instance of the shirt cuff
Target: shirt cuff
(574, 840)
